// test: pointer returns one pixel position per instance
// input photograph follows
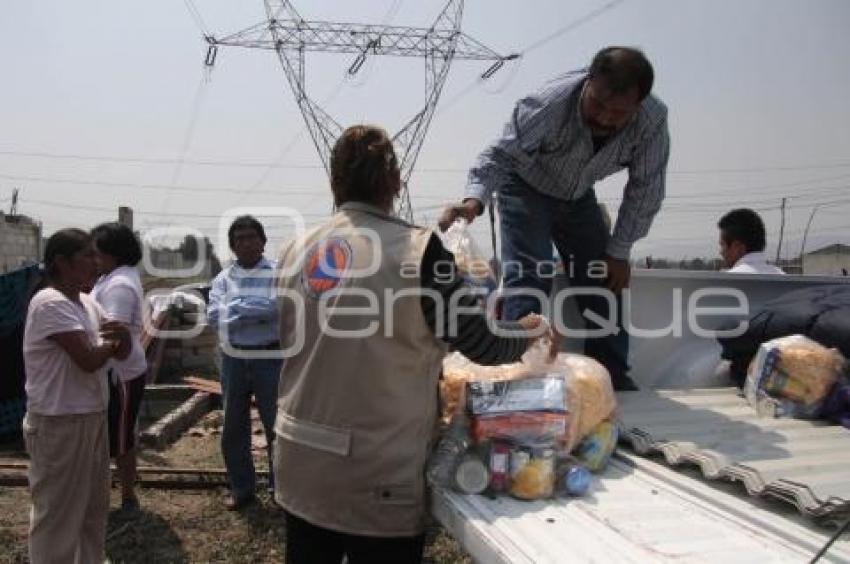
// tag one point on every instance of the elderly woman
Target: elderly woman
(67, 343)
(119, 293)
(366, 318)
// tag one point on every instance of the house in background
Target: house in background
(163, 261)
(20, 241)
(832, 260)
(168, 262)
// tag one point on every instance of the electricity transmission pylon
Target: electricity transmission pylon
(291, 36)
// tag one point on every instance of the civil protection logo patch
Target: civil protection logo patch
(326, 266)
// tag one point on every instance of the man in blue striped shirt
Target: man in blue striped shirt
(581, 128)
(243, 306)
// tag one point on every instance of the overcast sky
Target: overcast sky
(106, 103)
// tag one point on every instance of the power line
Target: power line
(836, 211)
(725, 192)
(155, 161)
(187, 137)
(571, 26)
(85, 182)
(289, 146)
(450, 170)
(196, 15)
(781, 230)
(312, 191)
(758, 205)
(806, 232)
(82, 207)
(534, 46)
(650, 239)
(320, 191)
(840, 201)
(844, 164)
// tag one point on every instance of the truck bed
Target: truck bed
(679, 503)
(637, 511)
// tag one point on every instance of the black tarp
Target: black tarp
(821, 313)
(16, 288)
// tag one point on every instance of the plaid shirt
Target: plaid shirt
(547, 144)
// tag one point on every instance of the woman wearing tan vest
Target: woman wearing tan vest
(366, 318)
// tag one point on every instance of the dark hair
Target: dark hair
(623, 68)
(743, 225)
(245, 222)
(118, 241)
(362, 164)
(64, 243)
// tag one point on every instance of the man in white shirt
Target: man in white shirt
(742, 242)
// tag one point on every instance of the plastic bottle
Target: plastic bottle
(573, 479)
(471, 475)
(500, 477)
(451, 448)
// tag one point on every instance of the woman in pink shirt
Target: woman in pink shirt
(67, 343)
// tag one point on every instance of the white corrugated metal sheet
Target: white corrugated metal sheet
(806, 463)
(636, 511)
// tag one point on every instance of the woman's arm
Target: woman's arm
(85, 355)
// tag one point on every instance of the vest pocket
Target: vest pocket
(314, 435)
(397, 494)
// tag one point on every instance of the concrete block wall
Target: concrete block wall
(20, 242)
(182, 356)
(172, 260)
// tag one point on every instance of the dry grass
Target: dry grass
(189, 526)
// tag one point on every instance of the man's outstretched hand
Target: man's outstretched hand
(619, 274)
(469, 209)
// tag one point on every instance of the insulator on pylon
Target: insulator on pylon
(212, 51)
(493, 69)
(357, 64)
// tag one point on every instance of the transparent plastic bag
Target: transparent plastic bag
(457, 371)
(471, 264)
(589, 396)
(523, 427)
(531, 394)
(595, 450)
(791, 376)
(532, 470)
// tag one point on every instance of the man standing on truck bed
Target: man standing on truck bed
(581, 128)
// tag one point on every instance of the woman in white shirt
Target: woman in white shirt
(119, 293)
(67, 343)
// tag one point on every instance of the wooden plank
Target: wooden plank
(203, 384)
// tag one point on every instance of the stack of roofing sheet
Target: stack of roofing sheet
(806, 463)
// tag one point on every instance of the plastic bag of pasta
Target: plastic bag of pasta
(590, 395)
(791, 376)
(457, 371)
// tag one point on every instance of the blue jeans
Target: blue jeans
(530, 223)
(240, 378)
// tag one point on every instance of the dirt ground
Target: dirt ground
(188, 526)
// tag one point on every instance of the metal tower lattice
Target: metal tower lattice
(291, 36)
